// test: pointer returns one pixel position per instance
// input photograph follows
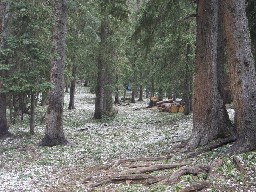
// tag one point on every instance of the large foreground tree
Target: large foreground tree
(242, 73)
(210, 118)
(54, 134)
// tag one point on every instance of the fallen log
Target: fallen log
(162, 102)
(165, 107)
(153, 101)
(174, 108)
(170, 106)
(181, 109)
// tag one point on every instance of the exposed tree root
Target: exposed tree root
(140, 176)
(242, 145)
(195, 170)
(100, 183)
(213, 145)
(239, 164)
(136, 170)
(145, 178)
(214, 165)
(153, 168)
(181, 145)
(132, 160)
(196, 187)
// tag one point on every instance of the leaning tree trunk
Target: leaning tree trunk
(4, 16)
(54, 134)
(242, 73)
(210, 119)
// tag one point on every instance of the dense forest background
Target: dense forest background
(126, 52)
(146, 46)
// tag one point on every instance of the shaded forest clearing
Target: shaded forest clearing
(131, 152)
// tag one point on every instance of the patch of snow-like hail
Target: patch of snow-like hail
(231, 114)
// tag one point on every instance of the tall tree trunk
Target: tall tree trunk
(11, 108)
(141, 93)
(160, 94)
(124, 96)
(117, 91)
(15, 103)
(251, 15)
(108, 100)
(242, 73)
(210, 119)
(108, 79)
(22, 105)
(67, 86)
(152, 90)
(101, 70)
(54, 134)
(186, 93)
(71, 104)
(108, 91)
(133, 94)
(32, 114)
(4, 16)
(44, 98)
(3, 121)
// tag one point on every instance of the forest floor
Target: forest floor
(129, 153)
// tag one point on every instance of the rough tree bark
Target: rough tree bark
(101, 70)
(210, 118)
(108, 90)
(4, 16)
(108, 74)
(54, 134)
(242, 73)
